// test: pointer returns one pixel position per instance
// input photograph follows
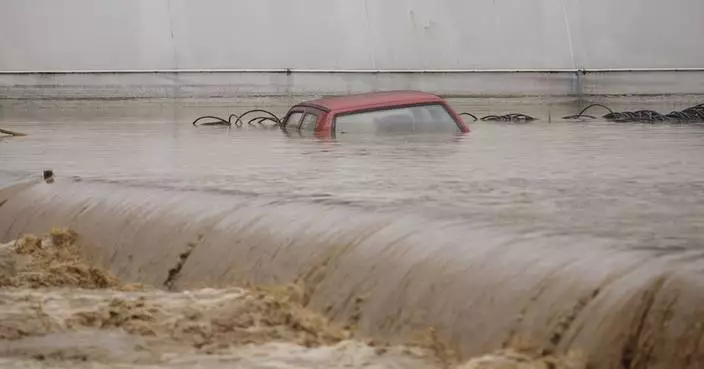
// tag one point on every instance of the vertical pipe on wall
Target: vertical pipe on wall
(568, 32)
(577, 85)
(176, 83)
(170, 17)
(368, 24)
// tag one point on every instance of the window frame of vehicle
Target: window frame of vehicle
(306, 111)
(287, 122)
(314, 122)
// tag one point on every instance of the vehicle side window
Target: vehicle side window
(310, 120)
(293, 120)
(419, 118)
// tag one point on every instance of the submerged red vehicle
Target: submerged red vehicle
(389, 111)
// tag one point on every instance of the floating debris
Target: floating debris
(11, 133)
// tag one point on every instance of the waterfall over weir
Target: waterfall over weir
(481, 286)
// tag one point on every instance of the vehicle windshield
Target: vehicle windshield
(419, 118)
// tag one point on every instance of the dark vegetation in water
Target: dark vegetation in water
(267, 116)
(510, 117)
(692, 114)
(263, 117)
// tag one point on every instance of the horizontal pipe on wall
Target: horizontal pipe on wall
(236, 83)
(356, 71)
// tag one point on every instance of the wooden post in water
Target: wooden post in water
(11, 133)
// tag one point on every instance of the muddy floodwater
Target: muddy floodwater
(581, 235)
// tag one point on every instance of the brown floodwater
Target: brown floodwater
(568, 235)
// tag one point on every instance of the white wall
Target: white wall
(38, 35)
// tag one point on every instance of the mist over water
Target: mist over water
(562, 232)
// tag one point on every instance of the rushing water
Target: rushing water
(642, 185)
(512, 227)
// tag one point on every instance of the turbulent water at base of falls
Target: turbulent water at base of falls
(547, 244)
(377, 271)
(58, 311)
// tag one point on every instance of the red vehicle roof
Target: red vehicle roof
(372, 100)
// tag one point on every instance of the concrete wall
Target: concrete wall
(70, 35)
(343, 34)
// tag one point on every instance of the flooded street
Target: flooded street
(566, 235)
(641, 185)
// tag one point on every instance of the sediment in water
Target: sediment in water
(52, 261)
(481, 288)
(56, 308)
